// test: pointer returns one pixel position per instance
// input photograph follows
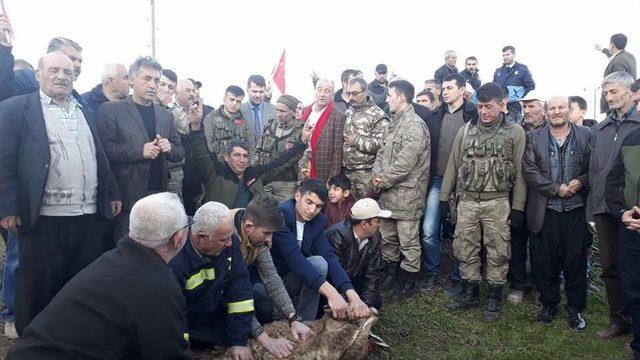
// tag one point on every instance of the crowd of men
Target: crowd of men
(150, 223)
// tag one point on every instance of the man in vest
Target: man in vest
(484, 167)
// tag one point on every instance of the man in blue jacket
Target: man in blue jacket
(515, 76)
(304, 259)
(215, 282)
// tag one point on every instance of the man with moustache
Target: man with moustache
(532, 112)
(608, 136)
(470, 73)
(555, 167)
(55, 185)
(364, 130)
(448, 68)
(114, 85)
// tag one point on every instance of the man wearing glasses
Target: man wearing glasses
(364, 130)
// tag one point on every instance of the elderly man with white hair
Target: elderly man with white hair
(114, 85)
(215, 281)
(127, 303)
(324, 158)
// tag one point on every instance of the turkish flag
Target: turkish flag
(278, 74)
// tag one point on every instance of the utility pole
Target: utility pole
(153, 29)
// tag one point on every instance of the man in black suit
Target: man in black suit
(139, 137)
(55, 184)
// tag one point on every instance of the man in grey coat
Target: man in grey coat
(620, 60)
(139, 137)
(607, 138)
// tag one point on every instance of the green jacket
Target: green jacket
(221, 184)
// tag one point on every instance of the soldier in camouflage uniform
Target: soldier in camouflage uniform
(364, 131)
(401, 171)
(279, 135)
(226, 124)
(484, 167)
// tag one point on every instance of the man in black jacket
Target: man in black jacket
(356, 243)
(55, 185)
(555, 167)
(126, 304)
(443, 127)
(448, 68)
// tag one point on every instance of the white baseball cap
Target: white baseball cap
(368, 208)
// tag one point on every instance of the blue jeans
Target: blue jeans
(305, 299)
(431, 226)
(9, 277)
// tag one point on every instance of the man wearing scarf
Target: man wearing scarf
(324, 157)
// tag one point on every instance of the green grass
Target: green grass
(422, 328)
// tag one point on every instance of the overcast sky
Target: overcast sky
(223, 42)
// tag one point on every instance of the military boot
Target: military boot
(391, 271)
(494, 299)
(470, 296)
(409, 287)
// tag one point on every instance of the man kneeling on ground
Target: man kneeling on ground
(124, 305)
(304, 258)
(356, 243)
(215, 283)
(255, 226)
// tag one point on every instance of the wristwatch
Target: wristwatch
(294, 317)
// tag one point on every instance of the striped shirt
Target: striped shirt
(68, 115)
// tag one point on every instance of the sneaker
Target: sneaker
(546, 314)
(576, 321)
(429, 283)
(515, 297)
(10, 330)
(454, 289)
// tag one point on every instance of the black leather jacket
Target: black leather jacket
(365, 267)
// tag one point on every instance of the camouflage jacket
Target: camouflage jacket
(403, 164)
(219, 130)
(275, 140)
(369, 123)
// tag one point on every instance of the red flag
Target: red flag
(278, 74)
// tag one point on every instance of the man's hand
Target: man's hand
(304, 174)
(350, 138)
(164, 144)
(195, 113)
(360, 309)
(305, 135)
(239, 353)
(164, 98)
(6, 33)
(300, 331)
(280, 348)
(575, 185)
(565, 191)
(314, 76)
(597, 47)
(116, 207)
(11, 223)
(299, 110)
(376, 181)
(631, 219)
(151, 150)
(338, 307)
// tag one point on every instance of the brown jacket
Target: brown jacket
(403, 164)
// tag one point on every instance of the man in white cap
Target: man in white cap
(356, 243)
(532, 111)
